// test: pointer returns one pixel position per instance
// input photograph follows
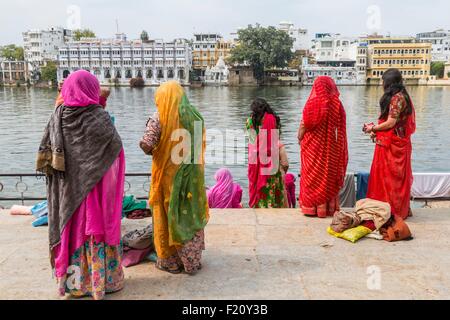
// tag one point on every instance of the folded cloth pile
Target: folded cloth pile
(373, 210)
(137, 245)
(343, 220)
(370, 217)
(139, 214)
(134, 209)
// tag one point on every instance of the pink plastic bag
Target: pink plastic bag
(20, 210)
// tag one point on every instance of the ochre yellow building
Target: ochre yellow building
(411, 57)
(207, 49)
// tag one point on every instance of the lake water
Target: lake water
(25, 111)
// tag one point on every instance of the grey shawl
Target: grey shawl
(78, 147)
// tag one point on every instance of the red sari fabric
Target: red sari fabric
(391, 175)
(324, 152)
(261, 154)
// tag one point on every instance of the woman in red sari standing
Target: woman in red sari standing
(391, 174)
(324, 154)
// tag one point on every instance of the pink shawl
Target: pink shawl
(225, 194)
(98, 216)
(81, 89)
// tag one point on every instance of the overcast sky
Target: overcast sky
(168, 19)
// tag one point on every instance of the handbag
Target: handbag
(396, 230)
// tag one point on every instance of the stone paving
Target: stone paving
(259, 254)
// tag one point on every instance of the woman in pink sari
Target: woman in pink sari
(265, 170)
(82, 156)
(225, 194)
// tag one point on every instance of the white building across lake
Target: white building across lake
(341, 75)
(13, 72)
(327, 47)
(342, 58)
(298, 35)
(217, 75)
(440, 44)
(116, 62)
(42, 45)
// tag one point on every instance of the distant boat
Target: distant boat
(197, 83)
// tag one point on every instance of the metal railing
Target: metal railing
(22, 188)
(21, 184)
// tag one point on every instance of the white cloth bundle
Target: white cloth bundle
(431, 185)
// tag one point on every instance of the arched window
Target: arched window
(181, 74)
(149, 74)
(139, 74)
(118, 74)
(128, 74)
(107, 74)
(160, 74)
(66, 73)
(170, 74)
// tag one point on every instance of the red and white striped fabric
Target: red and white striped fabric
(324, 152)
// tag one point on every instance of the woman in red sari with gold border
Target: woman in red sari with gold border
(391, 174)
(324, 154)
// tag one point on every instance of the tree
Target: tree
(83, 33)
(262, 48)
(12, 53)
(297, 59)
(49, 72)
(144, 36)
(438, 69)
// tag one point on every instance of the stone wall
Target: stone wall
(242, 76)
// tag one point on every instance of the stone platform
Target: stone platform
(259, 254)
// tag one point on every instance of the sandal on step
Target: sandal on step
(172, 271)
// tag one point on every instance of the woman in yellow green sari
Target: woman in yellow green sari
(175, 137)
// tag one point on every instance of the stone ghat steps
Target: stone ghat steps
(258, 254)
